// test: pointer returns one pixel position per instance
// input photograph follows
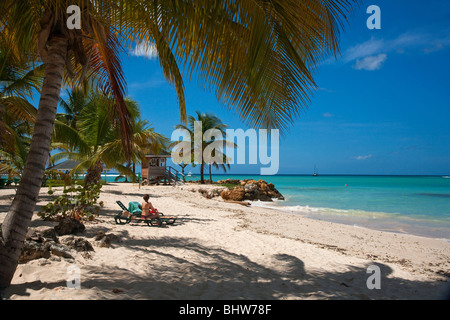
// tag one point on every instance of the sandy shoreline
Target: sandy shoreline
(220, 250)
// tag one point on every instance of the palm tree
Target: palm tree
(72, 106)
(208, 122)
(95, 142)
(258, 55)
(181, 163)
(222, 165)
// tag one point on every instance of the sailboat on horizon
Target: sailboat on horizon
(315, 174)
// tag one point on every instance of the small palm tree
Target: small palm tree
(182, 163)
(208, 122)
(72, 106)
(224, 165)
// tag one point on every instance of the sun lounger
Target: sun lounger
(134, 208)
(136, 214)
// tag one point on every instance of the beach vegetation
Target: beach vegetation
(229, 185)
(76, 201)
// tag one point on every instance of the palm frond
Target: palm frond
(105, 63)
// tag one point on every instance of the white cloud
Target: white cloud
(144, 50)
(370, 55)
(363, 157)
(370, 63)
(152, 83)
(328, 115)
(364, 49)
(325, 90)
(437, 45)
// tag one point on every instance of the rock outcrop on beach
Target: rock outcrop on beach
(69, 225)
(209, 194)
(44, 242)
(252, 190)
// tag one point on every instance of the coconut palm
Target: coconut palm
(205, 146)
(72, 106)
(95, 141)
(223, 164)
(257, 55)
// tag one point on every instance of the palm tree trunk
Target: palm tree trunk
(2, 125)
(94, 174)
(17, 221)
(202, 180)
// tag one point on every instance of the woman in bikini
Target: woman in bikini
(148, 211)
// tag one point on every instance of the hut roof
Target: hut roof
(65, 165)
(158, 155)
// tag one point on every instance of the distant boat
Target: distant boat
(315, 174)
(189, 174)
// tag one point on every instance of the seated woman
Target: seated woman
(148, 211)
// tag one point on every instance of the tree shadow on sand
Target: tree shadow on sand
(181, 268)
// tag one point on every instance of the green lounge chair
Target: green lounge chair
(134, 208)
(136, 214)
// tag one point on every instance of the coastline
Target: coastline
(221, 250)
(379, 221)
(397, 203)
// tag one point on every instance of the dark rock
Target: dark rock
(50, 234)
(34, 250)
(69, 226)
(105, 240)
(42, 234)
(79, 244)
(60, 251)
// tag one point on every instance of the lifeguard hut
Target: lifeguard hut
(154, 170)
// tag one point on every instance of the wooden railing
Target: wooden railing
(174, 174)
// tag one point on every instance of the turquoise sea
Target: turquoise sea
(417, 205)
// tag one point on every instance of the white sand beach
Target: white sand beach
(220, 250)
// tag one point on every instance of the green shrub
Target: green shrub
(229, 185)
(76, 201)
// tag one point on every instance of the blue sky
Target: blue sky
(383, 105)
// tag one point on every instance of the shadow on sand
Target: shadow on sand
(181, 268)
